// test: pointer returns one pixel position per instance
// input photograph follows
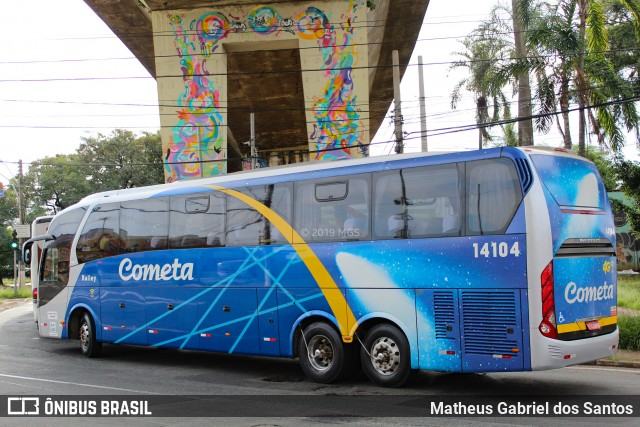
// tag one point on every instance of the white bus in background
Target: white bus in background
(39, 227)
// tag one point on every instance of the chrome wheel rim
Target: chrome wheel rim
(320, 352)
(85, 335)
(385, 356)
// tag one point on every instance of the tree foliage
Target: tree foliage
(125, 161)
(582, 55)
(629, 174)
(115, 161)
(102, 163)
(483, 50)
(620, 174)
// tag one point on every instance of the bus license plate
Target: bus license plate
(593, 325)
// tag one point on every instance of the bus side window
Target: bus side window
(101, 234)
(247, 227)
(493, 195)
(333, 209)
(197, 221)
(417, 202)
(57, 252)
(144, 224)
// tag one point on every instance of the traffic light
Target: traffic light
(14, 243)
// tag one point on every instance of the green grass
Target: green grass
(629, 297)
(629, 291)
(9, 293)
(629, 332)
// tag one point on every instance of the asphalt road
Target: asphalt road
(241, 390)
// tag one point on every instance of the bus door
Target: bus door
(52, 289)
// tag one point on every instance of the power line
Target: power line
(257, 110)
(432, 132)
(297, 71)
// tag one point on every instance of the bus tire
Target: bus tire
(321, 354)
(385, 356)
(87, 335)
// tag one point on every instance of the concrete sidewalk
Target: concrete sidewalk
(6, 304)
(622, 359)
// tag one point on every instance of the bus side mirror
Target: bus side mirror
(26, 252)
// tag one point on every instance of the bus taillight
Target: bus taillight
(35, 294)
(548, 325)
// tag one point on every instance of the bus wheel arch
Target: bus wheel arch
(385, 352)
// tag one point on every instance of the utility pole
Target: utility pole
(253, 150)
(21, 207)
(423, 112)
(15, 282)
(252, 141)
(397, 118)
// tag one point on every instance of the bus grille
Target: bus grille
(443, 313)
(586, 247)
(489, 322)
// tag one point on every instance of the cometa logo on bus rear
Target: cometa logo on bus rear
(574, 293)
(155, 272)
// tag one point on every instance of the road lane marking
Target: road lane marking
(76, 384)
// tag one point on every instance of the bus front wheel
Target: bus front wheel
(87, 334)
(321, 353)
(385, 356)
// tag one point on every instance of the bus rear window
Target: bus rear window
(571, 182)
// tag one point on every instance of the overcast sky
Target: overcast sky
(64, 75)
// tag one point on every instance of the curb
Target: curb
(618, 364)
(7, 304)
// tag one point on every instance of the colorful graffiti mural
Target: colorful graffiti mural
(196, 146)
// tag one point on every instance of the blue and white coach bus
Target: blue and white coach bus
(494, 260)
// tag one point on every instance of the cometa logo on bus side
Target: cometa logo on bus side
(155, 272)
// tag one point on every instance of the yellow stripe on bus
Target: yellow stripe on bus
(334, 296)
(581, 326)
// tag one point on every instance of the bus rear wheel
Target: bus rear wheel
(385, 356)
(87, 335)
(321, 354)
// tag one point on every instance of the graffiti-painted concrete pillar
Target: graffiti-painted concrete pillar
(192, 77)
(192, 93)
(335, 75)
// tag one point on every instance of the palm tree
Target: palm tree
(521, 14)
(485, 48)
(554, 42)
(568, 42)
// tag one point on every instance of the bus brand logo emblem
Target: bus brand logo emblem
(155, 272)
(574, 293)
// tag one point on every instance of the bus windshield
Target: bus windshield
(571, 181)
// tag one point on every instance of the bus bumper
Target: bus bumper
(549, 353)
